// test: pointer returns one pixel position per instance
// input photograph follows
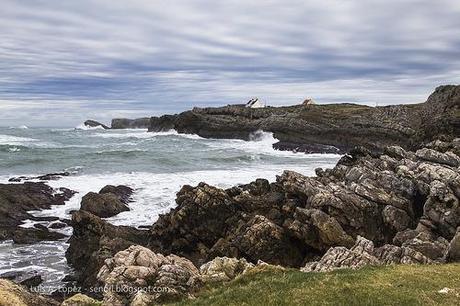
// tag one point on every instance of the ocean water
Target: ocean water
(156, 165)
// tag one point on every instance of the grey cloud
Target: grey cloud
(76, 59)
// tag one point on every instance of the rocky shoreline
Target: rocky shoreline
(322, 128)
(393, 198)
(398, 207)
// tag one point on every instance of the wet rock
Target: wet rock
(17, 199)
(110, 201)
(138, 267)
(93, 124)
(33, 235)
(57, 225)
(46, 177)
(32, 281)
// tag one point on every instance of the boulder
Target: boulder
(110, 201)
(363, 254)
(147, 276)
(12, 294)
(358, 256)
(453, 252)
(222, 269)
(80, 300)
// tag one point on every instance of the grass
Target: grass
(389, 285)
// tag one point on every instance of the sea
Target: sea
(156, 165)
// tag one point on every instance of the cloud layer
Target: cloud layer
(64, 61)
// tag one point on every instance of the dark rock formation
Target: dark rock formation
(93, 124)
(162, 124)
(403, 204)
(123, 123)
(17, 199)
(320, 128)
(395, 198)
(110, 201)
(32, 235)
(93, 241)
(46, 177)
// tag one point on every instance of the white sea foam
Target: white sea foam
(15, 140)
(21, 127)
(83, 127)
(219, 162)
(155, 193)
(141, 134)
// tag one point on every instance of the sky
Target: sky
(62, 62)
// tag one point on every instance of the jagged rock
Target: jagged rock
(138, 267)
(94, 240)
(447, 158)
(262, 239)
(407, 206)
(123, 123)
(427, 244)
(17, 199)
(453, 252)
(80, 300)
(110, 201)
(93, 124)
(391, 254)
(12, 294)
(222, 269)
(363, 254)
(319, 230)
(358, 256)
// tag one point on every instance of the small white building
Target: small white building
(255, 103)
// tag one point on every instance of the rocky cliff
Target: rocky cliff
(123, 123)
(315, 128)
(396, 207)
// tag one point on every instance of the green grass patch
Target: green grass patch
(389, 285)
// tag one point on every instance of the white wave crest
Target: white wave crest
(83, 127)
(15, 140)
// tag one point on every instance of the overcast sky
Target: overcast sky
(64, 61)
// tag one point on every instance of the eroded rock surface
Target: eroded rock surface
(151, 277)
(405, 205)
